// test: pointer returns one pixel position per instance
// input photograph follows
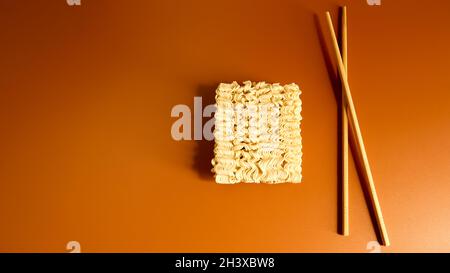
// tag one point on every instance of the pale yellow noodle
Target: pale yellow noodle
(257, 133)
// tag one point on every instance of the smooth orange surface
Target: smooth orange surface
(86, 152)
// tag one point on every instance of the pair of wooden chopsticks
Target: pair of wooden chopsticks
(349, 108)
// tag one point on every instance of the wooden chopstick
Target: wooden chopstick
(359, 140)
(344, 131)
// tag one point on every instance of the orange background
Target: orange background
(86, 152)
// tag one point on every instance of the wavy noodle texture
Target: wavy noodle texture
(257, 133)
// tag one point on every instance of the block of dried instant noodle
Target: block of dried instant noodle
(257, 133)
